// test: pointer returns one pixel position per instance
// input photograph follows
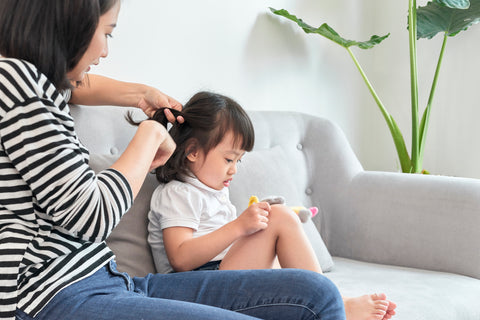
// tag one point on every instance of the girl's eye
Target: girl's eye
(229, 160)
(239, 160)
(108, 35)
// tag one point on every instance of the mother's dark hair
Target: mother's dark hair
(51, 34)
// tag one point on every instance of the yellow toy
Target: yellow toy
(303, 213)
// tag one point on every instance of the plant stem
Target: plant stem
(426, 114)
(384, 111)
(402, 152)
(412, 35)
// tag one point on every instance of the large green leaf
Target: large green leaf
(459, 4)
(435, 18)
(326, 31)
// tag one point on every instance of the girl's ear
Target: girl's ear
(192, 150)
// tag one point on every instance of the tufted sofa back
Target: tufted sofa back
(305, 159)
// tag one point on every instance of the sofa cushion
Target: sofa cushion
(129, 239)
(419, 294)
(273, 178)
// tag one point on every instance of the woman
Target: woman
(55, 213)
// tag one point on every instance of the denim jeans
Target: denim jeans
(265, 294)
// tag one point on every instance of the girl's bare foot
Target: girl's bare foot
(369, 307)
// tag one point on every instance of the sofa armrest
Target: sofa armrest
(427, 222)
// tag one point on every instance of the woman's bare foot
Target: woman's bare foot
(391, 307)
(369, 307)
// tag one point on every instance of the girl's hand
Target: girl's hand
(154, 99)
(254, 218)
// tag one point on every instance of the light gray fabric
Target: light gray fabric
(267, 169)
(420, 294)
(428, 222)
(128, 239)
(405, 220)
(265, 173)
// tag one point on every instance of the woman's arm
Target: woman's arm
(99, 90)
(47, 163)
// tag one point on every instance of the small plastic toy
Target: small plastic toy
(303, 213)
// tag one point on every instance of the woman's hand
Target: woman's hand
(164, 151)
(254, 218)
(154, 99)
(150, 147)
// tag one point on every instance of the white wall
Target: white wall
(238, 48)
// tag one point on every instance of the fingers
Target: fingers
(169, 115)
(263, 216)
(264, 205)
(255, 218)
(175, 104)
(263, 210)
(171, 118)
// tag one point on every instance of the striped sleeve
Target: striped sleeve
(49, 191)
(39, 140)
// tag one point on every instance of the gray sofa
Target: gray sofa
(414, 237)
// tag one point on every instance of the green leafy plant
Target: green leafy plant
(449, 17)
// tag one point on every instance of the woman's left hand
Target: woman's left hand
(155, 99)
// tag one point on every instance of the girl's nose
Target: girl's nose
(233, 169)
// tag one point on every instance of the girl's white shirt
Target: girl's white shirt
(189, 204)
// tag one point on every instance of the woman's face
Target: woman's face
(98, 47)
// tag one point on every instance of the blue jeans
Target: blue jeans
(265, 294)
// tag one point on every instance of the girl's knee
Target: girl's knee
(280, 213)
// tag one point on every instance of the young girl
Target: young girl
(193, 222)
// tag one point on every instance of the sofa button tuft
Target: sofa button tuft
(113, 151)
(309, 191)
(300, 146)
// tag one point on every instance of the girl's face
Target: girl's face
(217, 168)
(98, 46)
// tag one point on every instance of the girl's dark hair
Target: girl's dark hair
(208, 117)
(51, 34)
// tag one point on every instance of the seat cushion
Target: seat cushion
(419, 294)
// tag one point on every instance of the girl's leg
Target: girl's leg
(284, 237)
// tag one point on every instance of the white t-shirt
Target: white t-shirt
(189, 204)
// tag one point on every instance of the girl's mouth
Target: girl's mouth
(226, 183)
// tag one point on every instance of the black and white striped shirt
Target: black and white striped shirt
(55, 213)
